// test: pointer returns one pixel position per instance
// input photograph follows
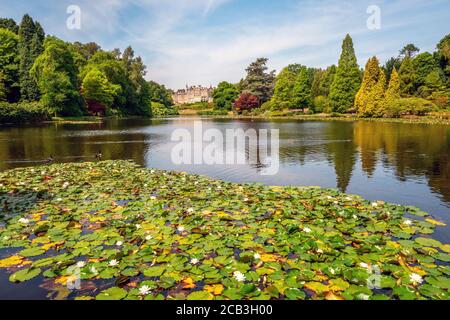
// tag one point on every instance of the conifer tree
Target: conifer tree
(31, 39)
(347, 80)
(378, 100)
(302, 90)
(393, 90)
(407, 77)
(370, 80)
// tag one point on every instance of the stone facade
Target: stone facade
(193, 94)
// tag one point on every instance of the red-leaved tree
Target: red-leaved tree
(246, 102)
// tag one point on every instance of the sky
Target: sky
(203, 42)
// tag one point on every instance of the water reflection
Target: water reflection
(402, 163)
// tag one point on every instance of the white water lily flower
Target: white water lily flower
(194, 261)
(113, 263)
(119, 243)
(190, 210)
(180, 229)
(355, 216)
(374, 204)
(152, 171)
(363, 296)
(24, 221)
(319, 251)
(364, 265)
(307, 230)
(65, 185)
(257, 256)
(153, 198)
(144, 290)
(239, 276)
(332, 271)
(138, 226)
(407, 222)
(149, 237)
(246, 199)
(59, 199)
(329, 197)
(93, 270)
(81, 264)
(348, 198)
(415, 278)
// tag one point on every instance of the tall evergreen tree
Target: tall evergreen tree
(393, 90)
(347, 80)
(9, 65)
(407, 76)
(302, 90)
(258, 81)
(31, 39)
(9, 24)
(369, 100)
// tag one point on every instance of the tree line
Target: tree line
(39, 71)
(412, 83)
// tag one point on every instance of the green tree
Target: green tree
(443, 56)
(9, 65)
(409, 51)
(258, 81)
(407, 76)
(347, 79)
(224, 96)
(96, 87)
(9, 24)
(56, 75)
(428, 75)
(160, 94)
(31, 39)
(2, 87)
(283, 97)
(390, 65)
(302, 90)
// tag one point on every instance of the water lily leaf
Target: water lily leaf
(113, 293)
(435, 222)
(32, 252)
(154, 271)
(200, 295)
(215, 289)
(294, 294)
(428, 242)
(12, 261)
(24, 275)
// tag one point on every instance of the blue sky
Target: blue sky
(207, 41)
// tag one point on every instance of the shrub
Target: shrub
(160, 110)
(410, 106)
(215, 112)
(322, 105)
(246, 102)
(23, 112)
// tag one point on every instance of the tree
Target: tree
(390, 65)
(258, 81)
(160, 94)
(409, 51)
(284, 87)
(9, 24)
(9, 65)
(428, 76)
(302, 90)
(393, 90)
(224, 96)
(369, 100)
(443, 56)
(31, 38)
(407, 77)
(97, 88)
(347, 80)
(246, 102)
(2, 87)
(56, 75)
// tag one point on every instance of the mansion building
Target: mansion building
(193, 94)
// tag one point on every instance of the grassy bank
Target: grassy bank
(135, 233)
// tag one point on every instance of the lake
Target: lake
(408, 164)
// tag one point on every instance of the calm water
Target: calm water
(402, 163)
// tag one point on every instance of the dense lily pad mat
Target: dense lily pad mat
(135, 233)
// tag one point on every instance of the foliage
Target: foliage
(96, 87)
(161, 110)
(55, 73)
(258, 81)
(31, 40)
(214, 112)
(224, 96)
(322, 81)
(166, 241)
(160, 94)
(301, 92)
(443, 56)
(409, 51)
(22, 112)
(283, 97)
(369, 101)
(9, 24)
(393, 90)
(410, 106)
(390, 65)
(347, 79)
(9, 65)
(246, 102)
(322, 104)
